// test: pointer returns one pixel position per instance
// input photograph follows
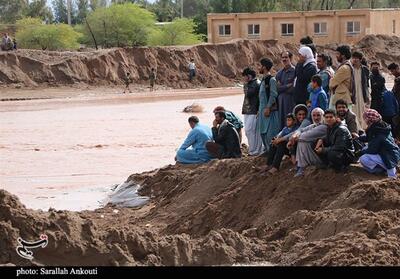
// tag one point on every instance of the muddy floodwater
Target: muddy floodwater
(66, 154)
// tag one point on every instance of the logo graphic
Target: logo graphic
(23, 249)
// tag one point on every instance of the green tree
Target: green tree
(166, 10)
(94, 4)
(200, 19)
(60, 11)
(221, 6)
(393, 3)
(120, 25)
(83, 10)
(12, 10)
(178, 32)
(39, 8)
(33, 34)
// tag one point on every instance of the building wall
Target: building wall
(298, 29)
(344, 37)
(263, 28)
(382, 22)
(371, 22)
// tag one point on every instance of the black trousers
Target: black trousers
(276, 154)
(337, 160)
(216, 150)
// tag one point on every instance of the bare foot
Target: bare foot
(273, 171)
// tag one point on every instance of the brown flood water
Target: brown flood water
(66, 154)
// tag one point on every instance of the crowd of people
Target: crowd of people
(311, 114)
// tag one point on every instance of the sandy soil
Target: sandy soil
(222, 213)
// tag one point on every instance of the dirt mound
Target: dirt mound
(218, 65)
(222, 213)
(385, 49)
(382, 48)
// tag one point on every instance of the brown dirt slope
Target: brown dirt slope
(222, 213)
(218, 65)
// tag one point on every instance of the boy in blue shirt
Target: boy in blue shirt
(318, 97)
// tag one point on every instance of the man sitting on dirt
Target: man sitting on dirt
(336, 149)
(193, 150)
(226, 139)
(233, 119)
(347, 116)
(381, 154)
(6, 43)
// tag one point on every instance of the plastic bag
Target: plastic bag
(126, 195)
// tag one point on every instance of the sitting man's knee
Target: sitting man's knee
(180, 154)
(363, 158)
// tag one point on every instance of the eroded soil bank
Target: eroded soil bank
(222, 213)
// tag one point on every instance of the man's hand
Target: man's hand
(355, 135)
(215, 124)
(295, 138)
(276, 141)
(319, 147)
(319, 144)
(290, 143)
(319, 150)
(267, 112)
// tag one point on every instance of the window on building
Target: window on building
(353, 27)
(394, 27)
(224, 30)
(253, 29)
(320, 28)
(287, 29)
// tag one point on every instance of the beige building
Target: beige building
(344, 26)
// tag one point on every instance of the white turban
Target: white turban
(320, 111)
(308, 54)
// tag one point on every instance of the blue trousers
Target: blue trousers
(189, 156)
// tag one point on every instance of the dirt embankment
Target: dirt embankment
(218, 65)
(222, 213)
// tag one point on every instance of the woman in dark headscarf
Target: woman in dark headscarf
(381, 154)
